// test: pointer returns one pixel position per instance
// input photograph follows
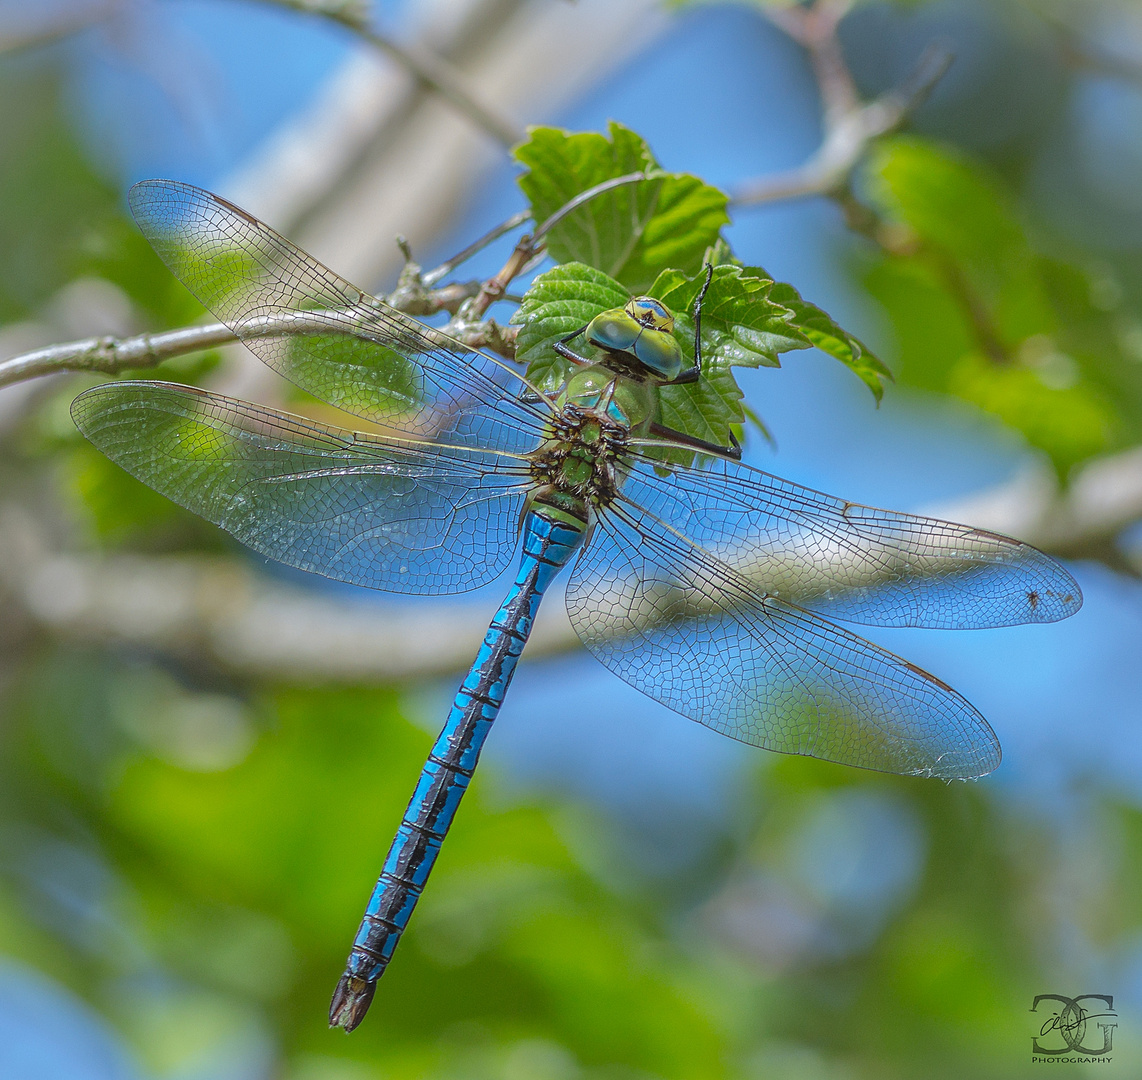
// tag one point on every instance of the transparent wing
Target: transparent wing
(694, 634)
(327, 336)
(854, 562)
(366, 509)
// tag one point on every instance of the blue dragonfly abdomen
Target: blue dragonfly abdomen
(550, 538)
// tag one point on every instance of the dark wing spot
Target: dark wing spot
(235, 209)
(927, 675)
(989, 535)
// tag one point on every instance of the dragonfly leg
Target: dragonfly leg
(530, 397)
(568, 354)
(734, 450)
(692, 374)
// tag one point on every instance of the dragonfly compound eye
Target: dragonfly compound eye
(650, 313)
(635, 332)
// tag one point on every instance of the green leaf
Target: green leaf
(929, 328)
(120, 511)
(1070, 422)
(569, 296)
(710, 409)
(946, 199)
(748, 319)
(631, 232)
(559, 301)
(742, 325)
(823, 332)
(980, 314)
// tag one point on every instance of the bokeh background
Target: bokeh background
(203, 757)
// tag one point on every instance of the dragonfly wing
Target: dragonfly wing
(366, 509)
(327, 336)
(694, 634)
(852, 562)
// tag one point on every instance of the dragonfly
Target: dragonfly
(714, 588)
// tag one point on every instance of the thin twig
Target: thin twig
(848, 137)
(583, 197)
(431, 70)
(352, 13)
(431, 277)
(973, 305)
(111, 355)
(531, 245)
(815, 28)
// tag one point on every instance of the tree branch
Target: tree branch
(849, 131)
(47, 31)
(467, 302)
(850, 128)
(815, 28)
(240, 619)
(1078, 53)
(1083, 520)
(112, 355)
(432, 71)
(224, 609)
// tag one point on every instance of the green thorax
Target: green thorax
(577, 465)
(627, 402)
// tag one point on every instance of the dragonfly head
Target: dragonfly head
(640, 337)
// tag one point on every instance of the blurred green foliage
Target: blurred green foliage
(981, 313)
(87, 231)
(42, 164)
(236, 837)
